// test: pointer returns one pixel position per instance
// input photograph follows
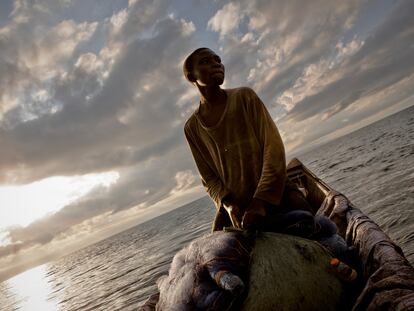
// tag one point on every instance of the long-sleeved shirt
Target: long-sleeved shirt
(241, 155)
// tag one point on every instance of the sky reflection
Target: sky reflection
(31, 290)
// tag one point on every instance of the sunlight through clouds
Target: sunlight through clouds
(21, 205)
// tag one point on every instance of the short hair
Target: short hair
(188, 63)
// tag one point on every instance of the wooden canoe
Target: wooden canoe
(387, 276)
(386, 280)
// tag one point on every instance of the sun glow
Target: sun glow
(21, 205)
(32, 291)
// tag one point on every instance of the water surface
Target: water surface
(373, 167)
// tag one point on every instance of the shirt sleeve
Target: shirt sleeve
(211, 182)
(273, 176)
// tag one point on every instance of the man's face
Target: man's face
(207, 68)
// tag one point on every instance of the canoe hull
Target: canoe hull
(387, 279)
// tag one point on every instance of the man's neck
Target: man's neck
(211, 96)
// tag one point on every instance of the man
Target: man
(237, 148)
(241, 160)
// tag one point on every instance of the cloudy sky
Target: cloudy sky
(93, 101)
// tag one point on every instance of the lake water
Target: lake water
(373, 167)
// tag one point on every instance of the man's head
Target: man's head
(204, 67)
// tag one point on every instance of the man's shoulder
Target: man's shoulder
(191, 122)
(243, 90)
(244, 97)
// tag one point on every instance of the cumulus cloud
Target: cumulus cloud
(383, 55)
(118, 112)
(115, 109)
(32, 55)
(185, 180)
(88, 93)
(311, 61)
(226, 20)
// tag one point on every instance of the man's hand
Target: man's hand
(232, 210)
(235, 214)
(254, 214)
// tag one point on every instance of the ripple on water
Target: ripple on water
(372, 166)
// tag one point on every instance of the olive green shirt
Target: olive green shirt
(242, 154)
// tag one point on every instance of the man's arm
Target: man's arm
(214, 186)
(273, 177)
(272, 181)
(212, 183)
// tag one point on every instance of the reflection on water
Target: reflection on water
(28, 291)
